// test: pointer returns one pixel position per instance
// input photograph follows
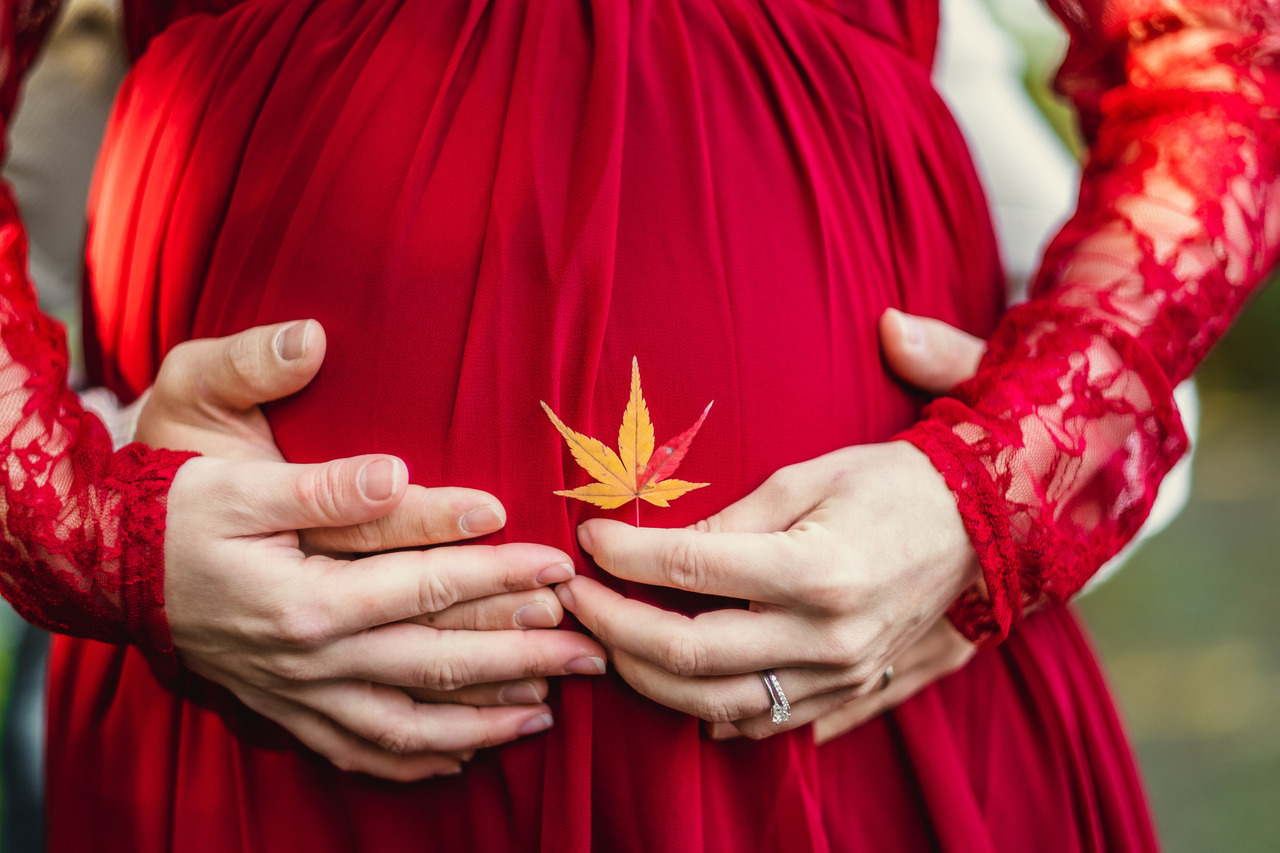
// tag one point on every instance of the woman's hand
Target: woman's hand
(305, 640)
(846, 559)
(941, 651)
(838, 531)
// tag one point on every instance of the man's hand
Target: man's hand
(262, 598)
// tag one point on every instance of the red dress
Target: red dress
(488, 204)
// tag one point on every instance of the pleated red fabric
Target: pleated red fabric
(488, 204)
(492, 203)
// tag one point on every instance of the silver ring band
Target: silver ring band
(781, 707)
(886, 679)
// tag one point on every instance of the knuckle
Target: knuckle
(243, 360)
(321, 488)
(396, 737)
(717, 709)
(845, 695)
(685, 567)
(429, 528)
(847, 649)
(865, 675)
(681, 655)
(176, 367)
(435, 592)
(711, 524)
(448, 673)
(360, 538)
(292, 668)
(785, 483)
(827, 591)
(303, 628)
(830, 585)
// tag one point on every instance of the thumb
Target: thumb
(240, 371)
(927, 353)
(780, 501)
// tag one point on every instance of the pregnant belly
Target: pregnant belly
(488, 209)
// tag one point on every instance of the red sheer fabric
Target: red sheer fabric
(1056, 448)
(81, 527)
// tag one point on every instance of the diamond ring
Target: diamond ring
(781, 707)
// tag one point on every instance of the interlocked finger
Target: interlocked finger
(425, 517)
(390, 587)
(803, 712)
(412, 655)
(719, 642)
(940, 652)
(354, 754)
(528, 691)
(533, 608)
(729, 699)
(395, 723)
(763, 567)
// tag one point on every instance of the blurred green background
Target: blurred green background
(1189, 629)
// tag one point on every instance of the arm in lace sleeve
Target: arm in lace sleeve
(81, 527)
(1056, 447)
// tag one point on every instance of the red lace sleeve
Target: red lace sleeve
(81, 527)
(1056, 447)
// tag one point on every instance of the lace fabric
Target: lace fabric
(1055, 449)
(81, 526)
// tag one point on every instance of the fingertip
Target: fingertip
(566, 598)
(483, 519)
(537, 723)
(586, 665)
(901, 329)
(536, 614)
(723, 731)
(585, 537)
(591, 531)
(291, 341)
(382, 479)
(558, 572)
(522, 693)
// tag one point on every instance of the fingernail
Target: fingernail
(452, 771)
(533, 725)
(523, 693)
(566, 597)
(911, 330)
(378, 480)
(535, 615)
(291, 341)
(482, 519)
(586, 666)
(555, 573)
(584, 539)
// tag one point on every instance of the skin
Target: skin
(335, 649)
(849, 562)
(447, 652)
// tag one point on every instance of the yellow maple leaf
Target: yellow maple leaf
(637, 470)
